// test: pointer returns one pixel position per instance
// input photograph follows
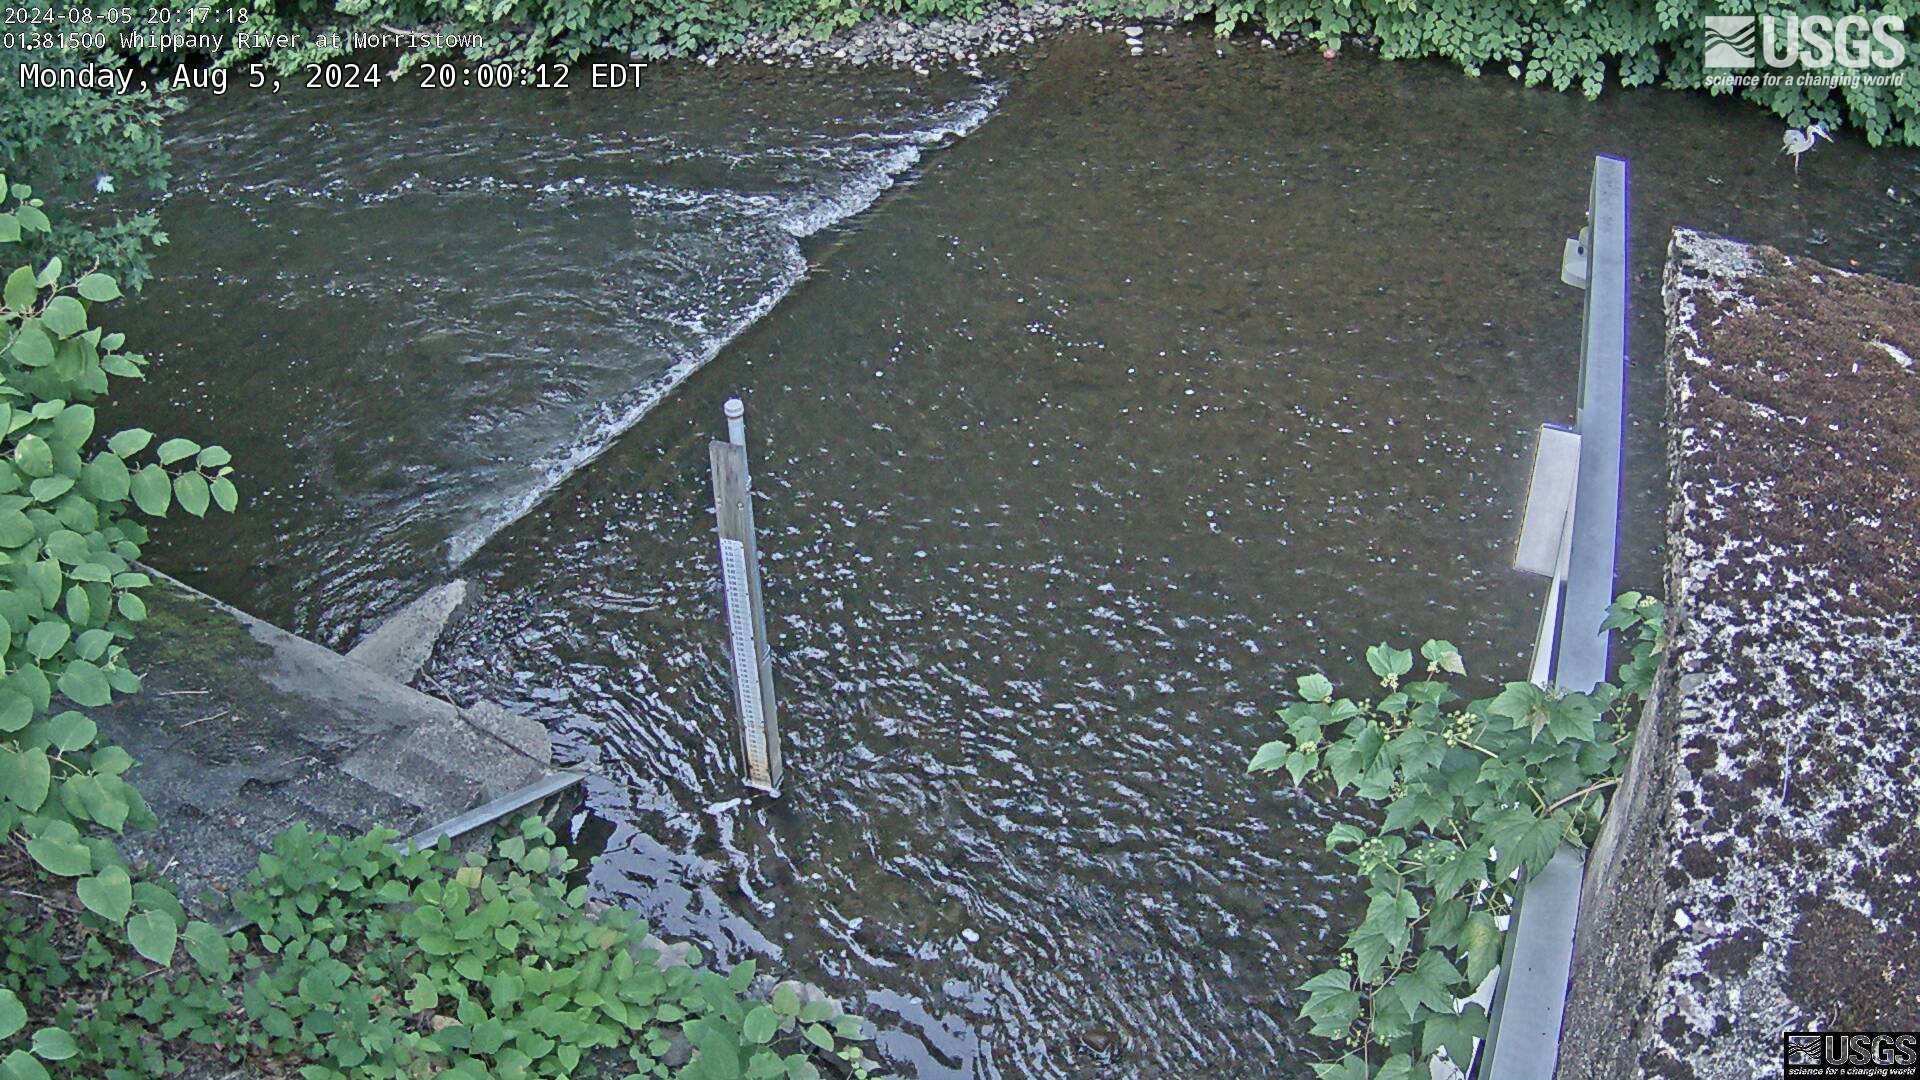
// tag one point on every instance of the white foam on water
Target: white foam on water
(817, 211)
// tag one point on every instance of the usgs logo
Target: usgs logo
(1893, 1055)
(1854, 42)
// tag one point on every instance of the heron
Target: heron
(1798, 141)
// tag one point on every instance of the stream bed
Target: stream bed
(1143, 385)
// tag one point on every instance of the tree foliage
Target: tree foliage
(99, 154)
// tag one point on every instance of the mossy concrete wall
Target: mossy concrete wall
(1760, 872)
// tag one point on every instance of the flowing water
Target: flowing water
(1177, 377)
(418, 309)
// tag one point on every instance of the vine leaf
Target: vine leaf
(1428, 984)
(1522, 839)
(1480, 940)
(1397, 1067)
(1269, 757)
(1525, 704)
(1454, 1033)
(1332, 1003)
(1347, 1068)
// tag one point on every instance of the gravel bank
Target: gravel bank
(954, 43)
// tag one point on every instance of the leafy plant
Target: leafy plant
(70, 599)
(96, 152)
(1473, 796)
(1569, 44)
(365, 960)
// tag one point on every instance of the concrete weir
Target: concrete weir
(242, 729)
(1760, 870)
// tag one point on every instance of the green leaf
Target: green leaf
(85, 683)
(1445, 656)
(213, 457)
(1463, 868)
(21, 1065)
(1269, 757)
(1397, 1067)
(108, 894)
(1389, 662)
(71, 731)
(786, 1000)
(9, 229)
(1523, 703)
(1572, 717)
(74, 426)
(99, 288)
(32, 347)
(15, 529)
(132, 607)
(176, 450)
(152, 490)
(13, 1015)
(33, 455)
(1480, 940)
(1332, 1004)
(1430, 983)
(48, 638)
(760, 1025)
(130, 442)
(1350, 1067)
(225, 495)
(190, 490)
(1344, 833)
(16, 710)
(22, 290)
(1522, 839)
(26, 776)
(153, 934)
(54, 1044)
(64, 316)
(1455, 1033)
(50, 488)
(1315, 687)
(60, 854)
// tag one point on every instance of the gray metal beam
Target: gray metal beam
(1581, 659)
(1523, 1037)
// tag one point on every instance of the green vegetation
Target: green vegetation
(70, 596)
(1573, 43)
(88, 149)
(1564, 44)
(1472, 794)
(366, 961)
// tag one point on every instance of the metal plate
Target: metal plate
(1556, 468)
(746, 667)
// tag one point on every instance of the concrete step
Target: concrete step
(351, 807)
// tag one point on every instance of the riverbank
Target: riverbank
(964, 43)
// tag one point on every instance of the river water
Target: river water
(1173, 378)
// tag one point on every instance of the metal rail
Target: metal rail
(1523, 1037)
